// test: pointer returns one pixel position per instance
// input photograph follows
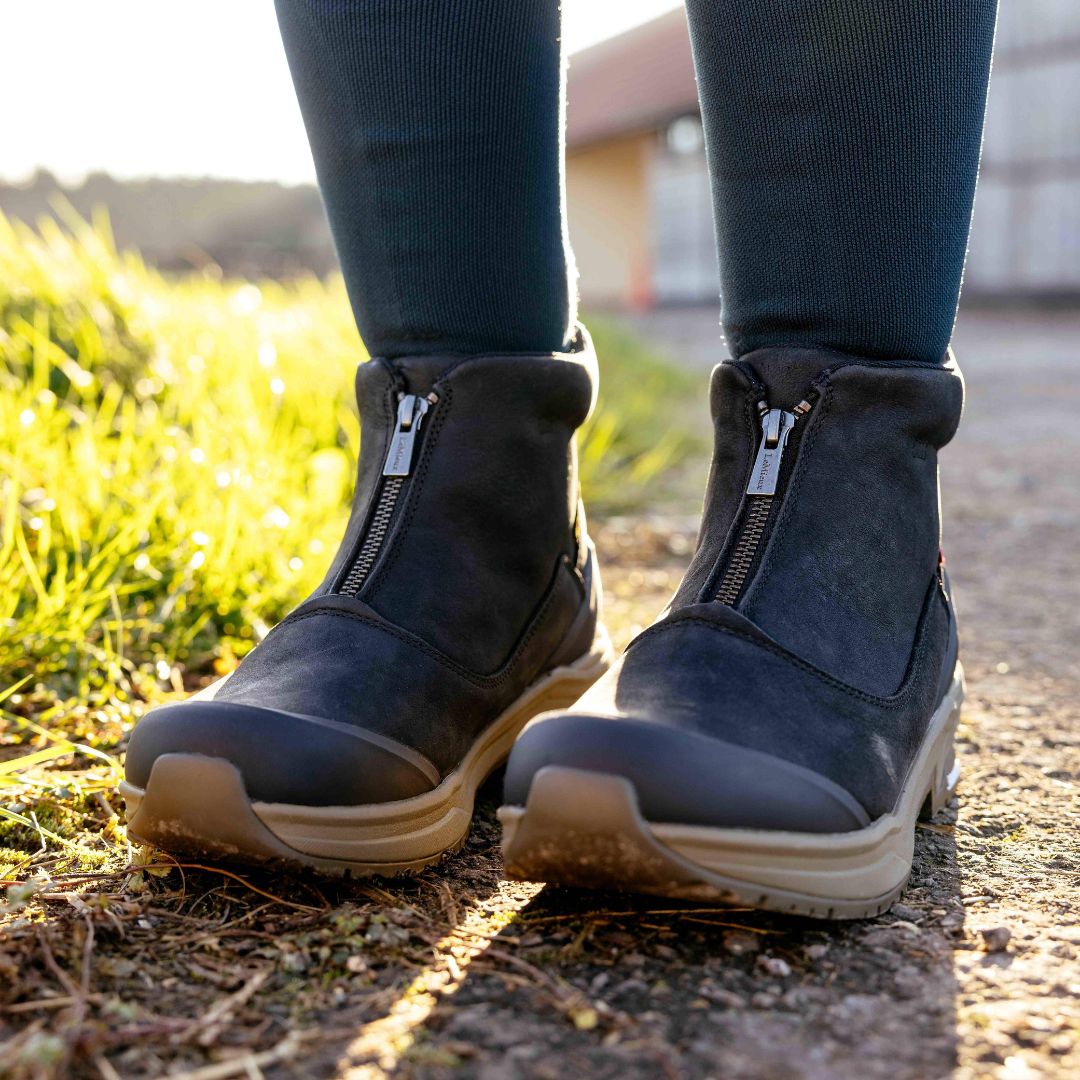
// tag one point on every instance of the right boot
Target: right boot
(773, 738)
(463, 601)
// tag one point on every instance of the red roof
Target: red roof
(634, 82)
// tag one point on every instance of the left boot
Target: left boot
(773, 738)
(463, 601)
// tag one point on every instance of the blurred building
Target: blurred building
(638, 187)
(1026, 237)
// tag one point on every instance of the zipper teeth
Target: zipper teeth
(742, 558)
(376, 534)
(760, 492)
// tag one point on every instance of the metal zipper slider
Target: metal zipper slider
(411, 410)
(776, 425)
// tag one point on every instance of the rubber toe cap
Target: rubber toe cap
(685, 778)
(283, 757)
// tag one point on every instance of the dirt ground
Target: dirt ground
(459, 973)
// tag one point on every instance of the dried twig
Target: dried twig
(61, 1001)
(254, 888)
(104, 1066)
(207, 1028)
(237, 1066)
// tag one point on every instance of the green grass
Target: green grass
(176, 461)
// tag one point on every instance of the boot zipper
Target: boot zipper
(776, 428)
(396, 468)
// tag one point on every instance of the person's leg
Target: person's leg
(436, 129)
(773, 737)
(464, 598)
(843, 141)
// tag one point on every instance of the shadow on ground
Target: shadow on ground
(603, 985)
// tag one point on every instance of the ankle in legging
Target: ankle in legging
(436, 129)
(843, 143)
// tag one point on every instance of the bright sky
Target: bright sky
(192, 87)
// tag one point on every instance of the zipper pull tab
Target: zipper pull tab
(776, 425)
(411, 410)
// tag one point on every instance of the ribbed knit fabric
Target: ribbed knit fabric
(843, 141)
(436, 128)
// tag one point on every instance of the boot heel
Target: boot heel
(946, 769)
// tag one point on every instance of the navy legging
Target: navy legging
(842, 136)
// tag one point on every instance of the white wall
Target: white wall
(1026, 234)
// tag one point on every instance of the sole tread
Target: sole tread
(197, 805)
(584, 829)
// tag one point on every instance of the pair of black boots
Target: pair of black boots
(770, 740)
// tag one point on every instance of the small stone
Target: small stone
(630, 986)
(774, 966)
(380, 933)
(908, 914)
(1060, 1044)
(996, 939)
(763, 1001)
(816, 951)
(719, 996)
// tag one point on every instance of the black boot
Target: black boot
(772, 739)
(463, 601)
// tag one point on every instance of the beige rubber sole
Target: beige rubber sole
(197, 805)
(584, 829)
